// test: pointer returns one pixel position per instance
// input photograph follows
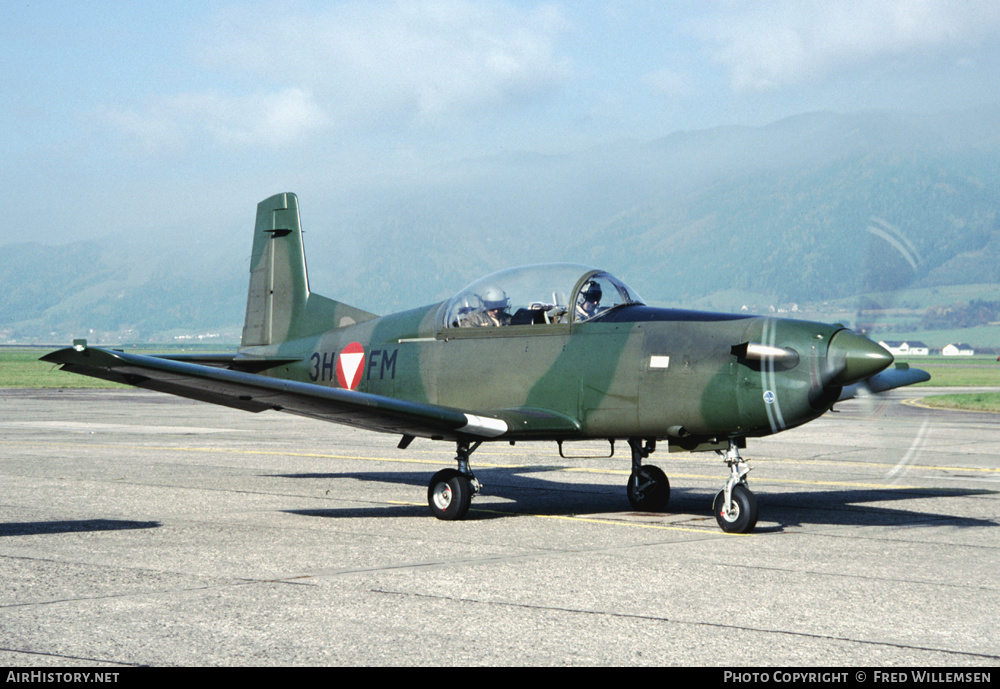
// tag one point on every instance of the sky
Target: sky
(148, 117)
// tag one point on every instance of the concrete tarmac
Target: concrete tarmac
(142, 529)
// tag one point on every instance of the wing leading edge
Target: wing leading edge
(256, 393)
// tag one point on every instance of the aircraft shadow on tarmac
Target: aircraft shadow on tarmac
(71, 526)
(848, 508)
(779, 511)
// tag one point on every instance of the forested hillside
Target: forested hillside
(812, 208)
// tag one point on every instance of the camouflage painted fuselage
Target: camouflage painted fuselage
(577, 356)
(635, 372)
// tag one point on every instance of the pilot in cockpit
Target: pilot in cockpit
(588, 304)
(495, 309)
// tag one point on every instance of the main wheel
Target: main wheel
(449, 495)
(742, 514)
(650, 490)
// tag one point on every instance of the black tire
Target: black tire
(449, 495)
(651, 492)
(742, 517)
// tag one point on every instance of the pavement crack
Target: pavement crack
(692, 623)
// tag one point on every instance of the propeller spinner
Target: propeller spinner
(851, 358)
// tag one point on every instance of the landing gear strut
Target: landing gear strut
(648, 488)
(450, 491)
(735, 506)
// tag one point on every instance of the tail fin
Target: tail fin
(279, 304)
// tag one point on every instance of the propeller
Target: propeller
(896, 377)
(891, 263)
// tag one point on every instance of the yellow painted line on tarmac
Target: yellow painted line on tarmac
(590, 520)
(917, 402)
(841, 484)
(638, 525)
(757, 478)
(882, 465)
(437, 462)
(764, 461)
(609, 522)
(223, 450)
(879, 465)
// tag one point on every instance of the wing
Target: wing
(211, 380)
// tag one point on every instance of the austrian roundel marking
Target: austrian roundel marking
(350, 364)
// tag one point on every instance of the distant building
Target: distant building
(960, 349)
(905, 348)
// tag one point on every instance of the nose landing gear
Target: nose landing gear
(450, 491)
(735, 506)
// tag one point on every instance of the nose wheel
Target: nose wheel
(735, 506)
(740, 516)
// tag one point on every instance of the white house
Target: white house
(960, 349)
(904, 348)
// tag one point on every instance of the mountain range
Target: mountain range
(817, 207)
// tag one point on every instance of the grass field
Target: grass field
(966, 371)
(973, 401)
(20, 368)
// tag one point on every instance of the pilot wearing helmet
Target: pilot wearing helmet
(496, 306)
(588, 304)
(466, 310)
(495, 309)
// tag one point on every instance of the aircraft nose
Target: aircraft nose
(852, 358)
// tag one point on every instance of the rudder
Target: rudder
(280, 306)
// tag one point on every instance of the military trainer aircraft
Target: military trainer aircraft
(554, 352)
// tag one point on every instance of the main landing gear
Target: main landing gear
(648, 488)
(450, 491)
(735, 506)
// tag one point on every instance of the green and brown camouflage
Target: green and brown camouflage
(549, 369)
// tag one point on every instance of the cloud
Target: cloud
(668, 82)
(172, 124)
(783, 43)
(419, 61)
(376, 66)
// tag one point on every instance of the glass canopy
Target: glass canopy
(542, 294)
